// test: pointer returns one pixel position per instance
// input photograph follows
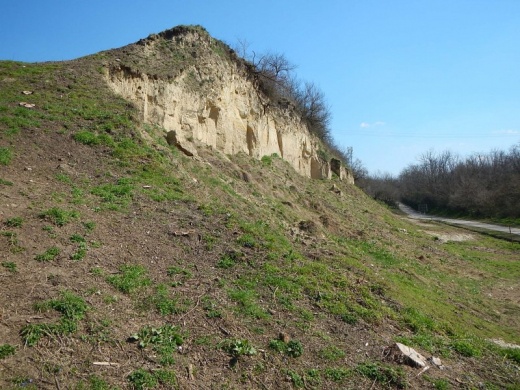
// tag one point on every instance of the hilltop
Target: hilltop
(132, 262)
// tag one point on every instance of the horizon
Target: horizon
(401, 79)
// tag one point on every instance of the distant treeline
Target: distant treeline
(481, 185)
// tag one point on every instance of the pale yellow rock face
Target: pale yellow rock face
(214, 104)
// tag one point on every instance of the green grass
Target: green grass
(5, 182)
(6, 155)
(72, 309)
(162, 301)
(58, 216)
(247, 300)
(384, 374)
(14, 222)
(331, 353)
(117, 195)
(6, 350)
(14, 244)
(10, 266)
(89, 138)
(49, 255)
(130, 278)
(145, 380)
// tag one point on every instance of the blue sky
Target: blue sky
(401, 76)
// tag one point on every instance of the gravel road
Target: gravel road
(414, 214)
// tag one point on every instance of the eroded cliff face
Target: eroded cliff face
(209, 99)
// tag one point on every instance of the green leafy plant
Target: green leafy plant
(293, 348)
(237, 347)
(164, 341)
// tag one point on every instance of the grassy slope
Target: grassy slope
(182, 273)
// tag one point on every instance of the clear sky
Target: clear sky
(401, 76)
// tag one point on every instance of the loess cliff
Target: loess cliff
(196, 89)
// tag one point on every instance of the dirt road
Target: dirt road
(414, 214)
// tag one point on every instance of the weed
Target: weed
(6, 156)
(278, 345)
(14, 222)
(57, 216)
(6, 350)
(10, 266)
(49, 255)
(237, 348)
(164, 341)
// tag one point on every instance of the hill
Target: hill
(128, 264)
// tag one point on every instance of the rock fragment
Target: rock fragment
(406, 355)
